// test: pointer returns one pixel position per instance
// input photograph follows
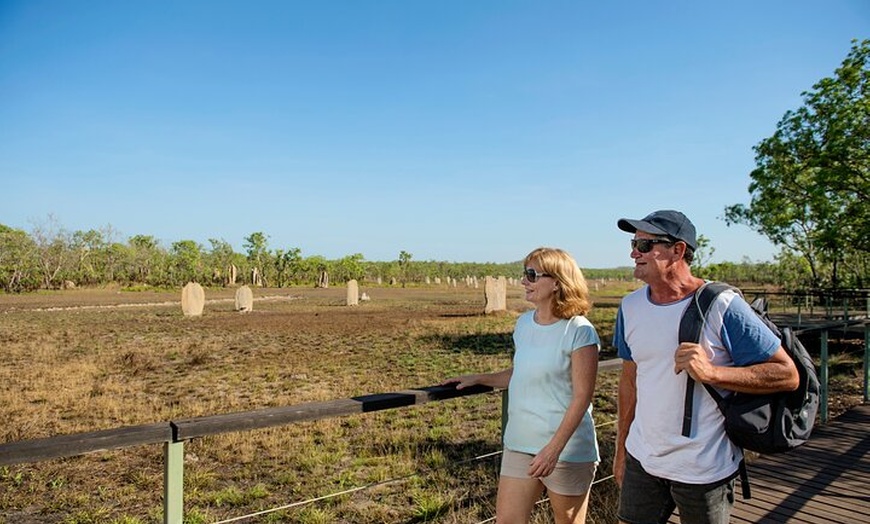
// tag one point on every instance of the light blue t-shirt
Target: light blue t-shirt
(540, 388)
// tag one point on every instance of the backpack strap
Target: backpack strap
(691, 325)
(744, 479)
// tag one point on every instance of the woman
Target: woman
(549, 440)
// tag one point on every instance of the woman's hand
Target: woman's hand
(463, 381)
(544, 462)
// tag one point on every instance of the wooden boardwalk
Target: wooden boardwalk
(825, 480)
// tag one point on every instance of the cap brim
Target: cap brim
(631, 226)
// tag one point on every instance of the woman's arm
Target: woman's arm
(498, 379)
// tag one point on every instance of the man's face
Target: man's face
(651, 264)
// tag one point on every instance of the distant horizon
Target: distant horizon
(450, 130)
(167, 245)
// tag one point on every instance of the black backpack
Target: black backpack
(767, 423)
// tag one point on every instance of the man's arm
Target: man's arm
(776, 374)
(627, 401)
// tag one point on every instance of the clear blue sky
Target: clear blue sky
(472, 130)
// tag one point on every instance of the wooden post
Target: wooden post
(799, 304)
(866, 359)
(823, 377)
(173, 482)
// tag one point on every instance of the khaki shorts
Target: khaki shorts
(571, 479)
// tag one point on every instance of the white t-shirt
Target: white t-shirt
(540, 388)
(648, 334)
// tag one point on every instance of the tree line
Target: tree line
(50, 257)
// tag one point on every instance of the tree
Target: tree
(286, 263)
(89, 248)
(220, 260)
(18, 262)
(809, 191)
(703, 253)
(257, 248)
(144, 260)
(348, 268)
(404, 260)
(52, 249)
(186, 262)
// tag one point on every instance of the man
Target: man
(656, 467)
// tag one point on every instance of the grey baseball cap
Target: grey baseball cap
(665, 222)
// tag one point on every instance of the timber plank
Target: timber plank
(827, 480)
(185, 429)
(36, 450)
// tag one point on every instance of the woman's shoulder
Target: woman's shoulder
(580, 321)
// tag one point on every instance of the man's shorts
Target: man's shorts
(645, 499)
(572, 479)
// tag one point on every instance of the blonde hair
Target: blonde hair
(572, 294)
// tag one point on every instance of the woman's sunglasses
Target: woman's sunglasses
(532, 275)
(645, 245)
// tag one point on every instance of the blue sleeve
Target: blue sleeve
(622, 349)
(746, 336)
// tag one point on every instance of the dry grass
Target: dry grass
(69, 364)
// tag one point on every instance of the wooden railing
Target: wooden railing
(829, 304)
(174, 433)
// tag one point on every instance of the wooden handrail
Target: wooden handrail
(201, 426)
(37, 450)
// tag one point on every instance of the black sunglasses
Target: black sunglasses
(645, 245)
(532, 275)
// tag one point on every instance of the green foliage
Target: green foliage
(348, 268)
(286, 264)
(17, 261)
(809, 191)
(195, 516)
(703, 253)
(219, 259)
(429, 504)
(187, 264)
(257, 247)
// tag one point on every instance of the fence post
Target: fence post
(799, 304)
(173, 482)
(866, 359)
(823, 376)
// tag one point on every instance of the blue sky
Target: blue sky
(470, 130)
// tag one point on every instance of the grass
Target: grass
(70, 365)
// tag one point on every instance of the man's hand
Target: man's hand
(693, 359)
(619, 467)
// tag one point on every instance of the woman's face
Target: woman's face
(540, 287)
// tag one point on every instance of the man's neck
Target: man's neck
(674, 286)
